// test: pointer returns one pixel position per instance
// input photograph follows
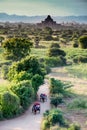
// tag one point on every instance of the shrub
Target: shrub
(75, 45)
(45, 125)
(36, 80)
(54, 116)
(55, 61)
(4, 70)
(80, 59)
(74, 127)
(78, 104)
(10, 104)
(1, 113)
(83, 42)
(24, 91)
(56, 86)
(55, 52)
(23, 75)
(54, 45)
(29, 64)
(56, 100)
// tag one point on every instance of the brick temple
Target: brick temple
(48, 22)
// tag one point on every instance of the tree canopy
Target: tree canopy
(17, 48)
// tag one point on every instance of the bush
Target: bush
(55, 61)
(83, 42)
(23, 75)
(80, 59)
(24, 91)
(4, 70)
(29, 64)
(54, 45)
(56, 100)
(1, 113)
(74, 127)
(36, 80)
(10, 104)
(55, 52)
(78, 104)
(45, 125)
(54, 116)
(56, 86)
(75, 45)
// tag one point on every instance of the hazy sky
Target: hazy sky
(44, 7)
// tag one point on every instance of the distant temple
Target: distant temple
(48, 22)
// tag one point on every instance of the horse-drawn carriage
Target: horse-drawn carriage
(43, 97)
(36, 107)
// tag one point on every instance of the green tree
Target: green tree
(29, 64)
(83, 42)
(36, 80)
(10, 104)
(16, 48)
(25, 92)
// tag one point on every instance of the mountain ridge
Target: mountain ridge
(4, 17)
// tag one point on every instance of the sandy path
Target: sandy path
(28, 121)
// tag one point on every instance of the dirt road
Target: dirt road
(28, 121)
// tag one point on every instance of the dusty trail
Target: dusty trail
(28, 121)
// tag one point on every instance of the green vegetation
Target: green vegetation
(76, 55)
(24, 91)
(78, 103)
(58, 90)
(55, 48)
(83, 42)
(78, 70)
(16, 48)
(52, 117)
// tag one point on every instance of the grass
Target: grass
(78, 70)
(39, 52)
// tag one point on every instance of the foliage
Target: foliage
(74, 55)
(54, 45)
(78, 103)
(1, 113)
(75, 45)
(4, 71)
(10, 104)
(52, 117)
(23, 75)
(56, 100)
(83, 41)
(24, 91)
(48, 38)
(58, 87)
(36, 80)
(48, 30)
(29, 64)
(74, 127)
(55, 52)
(79, 70)
(16, 48)
(55, 61)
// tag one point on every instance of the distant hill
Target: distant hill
(35, 19)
